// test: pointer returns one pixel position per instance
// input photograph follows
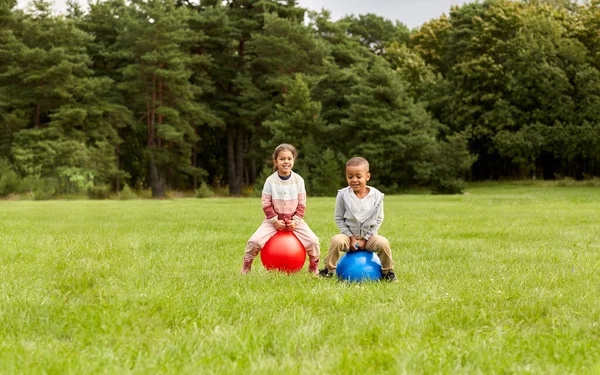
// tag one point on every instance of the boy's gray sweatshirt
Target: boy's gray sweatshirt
(346, 220)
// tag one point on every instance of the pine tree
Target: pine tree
(257, 48)
(384, 125)
(11, 118)
(52, 89)
(157, 37)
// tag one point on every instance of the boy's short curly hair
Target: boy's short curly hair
(358, 162)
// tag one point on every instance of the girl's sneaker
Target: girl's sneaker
(313, 267)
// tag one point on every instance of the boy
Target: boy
(359, 214)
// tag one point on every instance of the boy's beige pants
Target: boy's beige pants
(340, 243)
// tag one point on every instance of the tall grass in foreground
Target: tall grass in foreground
(502, 280)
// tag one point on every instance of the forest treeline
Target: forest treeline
(182, 95)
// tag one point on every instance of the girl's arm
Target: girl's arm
(267, 203)
(267, 206)
(301, 209)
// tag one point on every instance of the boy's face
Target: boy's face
(357, 177)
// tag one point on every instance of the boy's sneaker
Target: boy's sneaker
(246, 267)
(313, 267)
(390, 277)
(324, 273)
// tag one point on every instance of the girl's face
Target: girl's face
(284, 162)
(357, 177)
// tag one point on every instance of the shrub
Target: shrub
(260, 180)
(126, 193)
(98, 192)
(43, 188)
(9, 180)
(453, 161)
(327, 176)
(204, 191)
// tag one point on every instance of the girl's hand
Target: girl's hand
(361, 244)
(279, 225)
(290, 226)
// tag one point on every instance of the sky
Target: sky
(412, 13)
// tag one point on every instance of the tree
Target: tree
(432, 41)
(250, 78)
(385, 126)
(419, 77)
(51, 93)
(11, 119)
(344, 50)
(156, 36)
(375, 32)
(298, 118)
(104, 21)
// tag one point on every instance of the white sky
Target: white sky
(412, 13)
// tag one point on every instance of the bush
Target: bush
(9, 180)
(327, 176)
(43, 188)
(260, 180)
(451, 186)
(204, 191)
(98, 192)
(453, 161)
(249, 192)
(126, 193)
(221, 191)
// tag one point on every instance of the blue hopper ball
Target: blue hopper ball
(361, 265)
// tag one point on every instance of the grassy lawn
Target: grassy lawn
(503, 279)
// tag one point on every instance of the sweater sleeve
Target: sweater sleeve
(267, 202)
(340, 210)
(378, 221)
(301, 209)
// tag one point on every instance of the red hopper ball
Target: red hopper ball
(283, 252)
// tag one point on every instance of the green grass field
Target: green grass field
(502, 280)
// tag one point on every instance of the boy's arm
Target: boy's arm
(375, 228)
(340, 221)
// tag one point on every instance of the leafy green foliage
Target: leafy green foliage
(385, 126)
(9, 180)
(204, 191)
(164, 94)
(126, 193)
(98, 192)
(513, 71)
(452, 164)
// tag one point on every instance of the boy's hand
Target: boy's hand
(279, 225)
(357, 244)
(354, 244)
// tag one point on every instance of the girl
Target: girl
(284, 203)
